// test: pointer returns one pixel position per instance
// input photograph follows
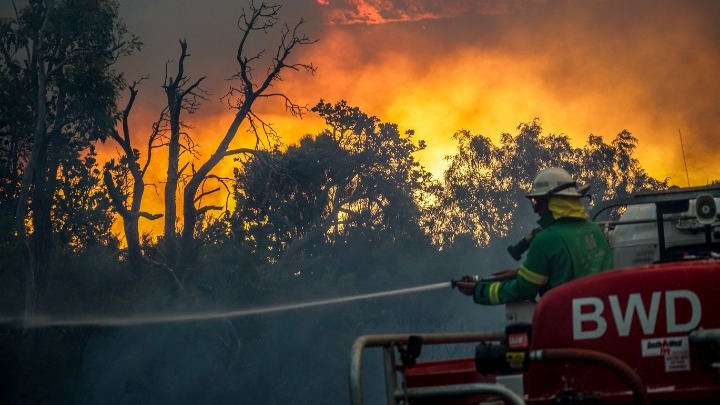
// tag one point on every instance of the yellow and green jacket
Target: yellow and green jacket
(565, 249)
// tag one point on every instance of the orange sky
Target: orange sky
(436, 66)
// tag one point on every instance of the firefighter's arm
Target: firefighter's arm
(529, 280)
(467, 284)
(466, 287)
(524, 286)
(504, 274)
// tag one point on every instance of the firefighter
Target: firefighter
(568, 245)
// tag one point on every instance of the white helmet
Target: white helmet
(554, 181)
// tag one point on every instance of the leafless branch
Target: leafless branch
(295, 110)
(239, 151)
(182, 169)
(117, 199)
(206, 193)
(223, 182)
(149, 216)
(158, 127)
(202, 210)
(189, 146)
(262, 17)
(258, 125)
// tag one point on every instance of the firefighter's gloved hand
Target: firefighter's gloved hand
(504, 274)
(466, 285)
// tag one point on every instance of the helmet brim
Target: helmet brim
(568, 192)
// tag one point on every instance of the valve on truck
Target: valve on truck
(508, 355)
(411, 352)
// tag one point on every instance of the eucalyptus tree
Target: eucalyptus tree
(61, 54)
(612, 169)
(358, 176)
(483, 188)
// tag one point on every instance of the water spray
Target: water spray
(41, 321)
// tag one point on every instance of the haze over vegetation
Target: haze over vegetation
(346, 210)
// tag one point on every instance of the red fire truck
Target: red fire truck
(646, 332)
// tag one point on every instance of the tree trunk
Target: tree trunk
(29, 183)
(170, 237)
(132, 237)
(175, 98)
(187, 241)
(24, 238)
(132, 216)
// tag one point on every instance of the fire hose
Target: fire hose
(613, 364)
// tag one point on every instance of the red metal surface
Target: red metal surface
(642, 316)
(445, 372)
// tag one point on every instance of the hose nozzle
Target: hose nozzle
(454, 283)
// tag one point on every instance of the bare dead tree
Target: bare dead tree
(182, 95)
(130, 211)
(260, 18)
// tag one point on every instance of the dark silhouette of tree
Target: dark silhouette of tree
(82, 215)
(358, 177)
(256, 19)
(183, 95)
(482, 194)
(62, 53)
(127, 187)
(16, 128)
(612, 170)
(484, 183)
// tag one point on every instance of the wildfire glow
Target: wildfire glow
(346, 12)
(438, 66)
